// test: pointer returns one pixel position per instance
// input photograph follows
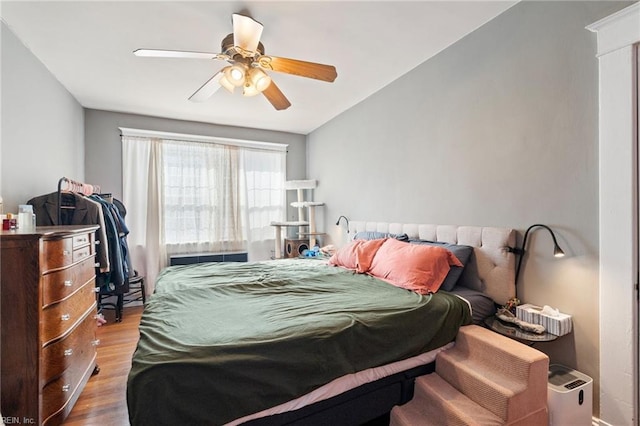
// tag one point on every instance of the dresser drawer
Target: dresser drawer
(82, 253)
(58, 392)
(59, 318)
(57, 253)
(76, 347)
(82, 240)
(60, 284)
(65, 251)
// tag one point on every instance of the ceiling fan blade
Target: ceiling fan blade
(158, 53)
(299, 68)
(276, 97)
(246, 32)
(207, 89)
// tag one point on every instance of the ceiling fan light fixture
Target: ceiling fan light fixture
(249, 89)
(235, 74)
(259, 79)
(224, 82)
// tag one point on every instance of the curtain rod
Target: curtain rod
(272, 146)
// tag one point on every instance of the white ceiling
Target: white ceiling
(88, 45)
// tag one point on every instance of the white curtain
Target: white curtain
(142, 196)
(199, 197)
(202, 198)
(263, 175)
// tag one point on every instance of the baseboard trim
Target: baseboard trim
(599, 422)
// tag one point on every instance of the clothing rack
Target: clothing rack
(69, 185)
(114, 275)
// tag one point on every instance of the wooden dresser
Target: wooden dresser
(48, 323)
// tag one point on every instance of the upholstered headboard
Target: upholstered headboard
(496, 264)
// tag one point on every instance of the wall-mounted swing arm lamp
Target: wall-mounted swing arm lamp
(345, 219)
(557, 251)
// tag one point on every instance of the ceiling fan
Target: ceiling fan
(248, 63)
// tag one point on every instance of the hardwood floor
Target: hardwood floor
(103, 400)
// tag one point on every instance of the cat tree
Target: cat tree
(306, 228)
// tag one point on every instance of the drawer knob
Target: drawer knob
(66, 252)
(66, 388)
(65, 317)
(95, 342)
(68, 352)
(68, 283)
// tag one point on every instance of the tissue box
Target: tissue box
(559, 325)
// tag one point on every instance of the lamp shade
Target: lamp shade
(259, 79)
(224, 82)
(557, 251)
(235, 74)
(249, 89)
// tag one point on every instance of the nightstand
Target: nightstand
(515, 332)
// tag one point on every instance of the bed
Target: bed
(298, 341)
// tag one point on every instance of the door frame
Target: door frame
(617, 36)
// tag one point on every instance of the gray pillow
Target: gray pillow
(455, 275)
(482, 306)
(373, 235)
(470, 277)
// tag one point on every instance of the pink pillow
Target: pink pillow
(356, 255)
(415, 267)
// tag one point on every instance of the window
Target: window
(198, 194)
(202, 197)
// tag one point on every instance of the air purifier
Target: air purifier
(570, 397)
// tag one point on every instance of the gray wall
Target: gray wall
(104, 148)
(500, 129)
(42, 127)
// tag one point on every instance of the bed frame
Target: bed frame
(371, 404)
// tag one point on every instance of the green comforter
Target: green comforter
(220, 341)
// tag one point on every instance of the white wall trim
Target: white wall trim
(618, 189)
(125, 131)
(598, 422)
(618, 30)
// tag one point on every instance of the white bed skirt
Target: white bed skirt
(345, 383)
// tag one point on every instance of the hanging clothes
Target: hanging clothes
(77, 203)
(102, 249)
(75, 209)
(113, 267)
(120, 212)
(114, 281)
